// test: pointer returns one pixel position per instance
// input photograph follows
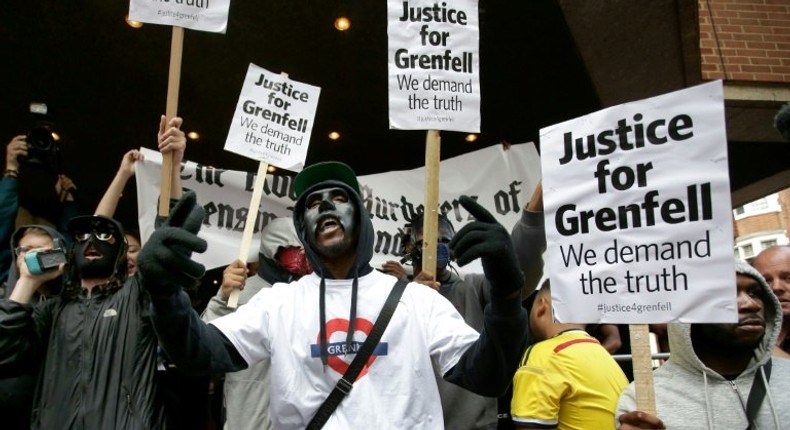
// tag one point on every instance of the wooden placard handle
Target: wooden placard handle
(430, 220)
(643, 368)
(249, 225)
(171, 110)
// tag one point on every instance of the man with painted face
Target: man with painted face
(310, 329)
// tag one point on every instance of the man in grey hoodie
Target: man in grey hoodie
(281, 259)
(707, 381)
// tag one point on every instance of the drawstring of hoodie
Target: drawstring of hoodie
(707, 399)
(770, 398)
(352, 318)
(322, 323)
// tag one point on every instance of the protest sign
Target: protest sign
(273, 119)
(638, 214)
(502, 180)
(434, 66)
(201, 15)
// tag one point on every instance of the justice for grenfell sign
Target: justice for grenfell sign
(638, 212)
(273, 119)
(434, 66)
(204, 15)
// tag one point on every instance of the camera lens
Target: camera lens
(40, 138)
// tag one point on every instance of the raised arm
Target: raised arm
(487, 367)
(109, 202)
(24, 328)
(9, 201)
(167, 268)
(529, 241)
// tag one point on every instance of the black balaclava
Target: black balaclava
(110, 253)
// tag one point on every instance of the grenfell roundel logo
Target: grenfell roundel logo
(336, 329)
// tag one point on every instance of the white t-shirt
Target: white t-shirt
(396, 390)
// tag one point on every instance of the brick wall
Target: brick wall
(784, 202)
(753, 40)
(758, 223)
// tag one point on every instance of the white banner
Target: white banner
(502, 180)
(273, 119)
(201, 15)
(638, 212)
(434, 65)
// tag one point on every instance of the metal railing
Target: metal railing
(654, 356)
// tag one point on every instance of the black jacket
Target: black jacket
(96, 356)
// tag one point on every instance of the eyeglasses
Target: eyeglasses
(19, 250)
(104, 236)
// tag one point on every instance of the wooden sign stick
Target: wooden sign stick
(643, 368)
(431, 219)
(249, 225)
(171, 110)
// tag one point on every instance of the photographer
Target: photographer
(94, 341)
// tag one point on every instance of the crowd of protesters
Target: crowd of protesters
(107, 337)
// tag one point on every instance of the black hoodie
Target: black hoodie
(16, 390)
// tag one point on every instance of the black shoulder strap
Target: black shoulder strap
(757, 394)
(345, 383)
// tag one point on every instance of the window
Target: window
(748, 251)
(739, 210)
(767, 243)
(760, 204)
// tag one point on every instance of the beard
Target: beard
(335, 249)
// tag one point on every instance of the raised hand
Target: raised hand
(640, 420)
(16, 147)
(171, 138)
(165, 261)
(233, 278)
(487, 239)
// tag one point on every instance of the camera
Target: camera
(39, 262)
(42, 148)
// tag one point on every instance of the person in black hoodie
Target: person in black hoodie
(17, 385)
(311, 328)
(93, 344)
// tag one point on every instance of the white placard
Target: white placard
(273, 119)
(638, 212)
(503, 180)
(434, 65)
(203, 15)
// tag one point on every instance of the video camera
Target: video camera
(39, 262)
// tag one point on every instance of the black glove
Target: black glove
(165, 260)
(488, 240)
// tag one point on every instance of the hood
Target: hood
(13, 272)
(278, 233)
(365, 243)
(73, 285)
(680, 333)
